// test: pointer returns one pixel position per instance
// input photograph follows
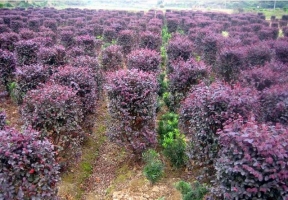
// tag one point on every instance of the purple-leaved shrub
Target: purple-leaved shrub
(2, 119)
(112, 58)
(56, 112)
(150, 40)
(29, 77)
(229, 62)
(179, 47)
(28, 169)
(252, 162)
(144, 59)
(7, 67)
(274, 104)
(204, 112)
(182, 77)
(87, 43)
(132, 103)
(82, 82)
(126, 39)
(26, 52)
(281, 51)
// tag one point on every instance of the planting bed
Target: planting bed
(110, 104)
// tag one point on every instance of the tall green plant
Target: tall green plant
(172, 140)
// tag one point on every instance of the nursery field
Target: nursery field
(163, 105)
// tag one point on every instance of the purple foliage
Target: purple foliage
(258, 54)
(93, 65)
(211, 45)
(182, 77)
(281, 50)
(229, 62)
(109, 34)
(268, 33)
(112, 58)
(26, 34)
(26, 52)
(172, 24)
(132, 98)
(205, 111)
(67, 38)
(150, 40)
(34, 24)
(252, 162)
(4, 28)
(144, 59)
(179, 47)
(87, 43)
(82, 82)
(264, 77)
(2, 119)
(16, 25)
(126, 39)
(29, 77)
(28, 167)
(75, 52)
(7, 66)
(274, 102)
(55, 111)
(8, 41)
(50, 23)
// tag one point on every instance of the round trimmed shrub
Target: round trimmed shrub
(82, 82)
(274, 104)
(144, 59)
(252, 162)
(109, 34)
(26, 52)
(172, 24)
(281, 51)
(56, 112)
(8, 41)
(132, 105)
(206, 109)
(93, 65)
(126, 39)
(150, 40)
(258, 54)
(67, 38)
(26, 34)
(50, 23)
(34, 24)
(29, 77)
(112, 58)
(179, 47)
(185, 74)
(229, 63)
(87, 43)
(28, 169)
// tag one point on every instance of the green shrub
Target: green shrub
(172, 140)
(154, 168)
(197, 192)
(175, 152)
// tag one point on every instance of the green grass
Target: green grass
(270, 12)
(73, 180)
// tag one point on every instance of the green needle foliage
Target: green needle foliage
(154, 168)
(195, 192)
